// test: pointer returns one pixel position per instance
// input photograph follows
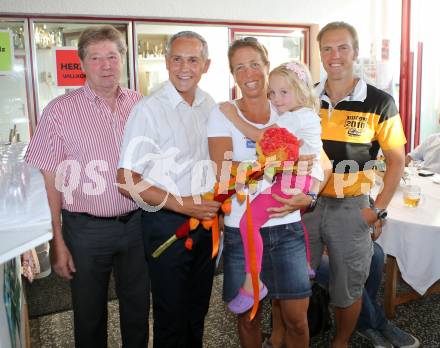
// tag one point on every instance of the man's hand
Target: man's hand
(377, 229)
(295, 202)
(369, 215)
(61, 259)
(221, 222)
(205, 210)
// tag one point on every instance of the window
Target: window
(14, 84)
(51, 37)
(151, 45)
(283, 45)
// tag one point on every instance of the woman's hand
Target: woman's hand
(295, 202)
(305, 164)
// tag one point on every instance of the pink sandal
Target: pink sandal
(244, 300)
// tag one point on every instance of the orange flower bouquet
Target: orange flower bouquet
(191, 224)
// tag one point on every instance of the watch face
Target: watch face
(314, 197)
(382, 214)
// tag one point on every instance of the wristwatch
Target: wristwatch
(381, 213)
(314, 200)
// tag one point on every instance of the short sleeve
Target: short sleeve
(140, 141)
(46, 148)
(389, 132)
(305, 125)
(218, 124)
(291, 121)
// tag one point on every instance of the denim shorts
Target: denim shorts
(284, 269)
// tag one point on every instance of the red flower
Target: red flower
(279, 142)
(189, 243)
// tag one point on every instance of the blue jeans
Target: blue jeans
(284, 270)
(372, 315)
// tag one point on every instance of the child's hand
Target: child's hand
(228, 109)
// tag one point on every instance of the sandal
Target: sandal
(244, 300)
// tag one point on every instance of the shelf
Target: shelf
(152, 59)
(15, 241)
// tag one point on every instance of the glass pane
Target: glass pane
(426, 13)
(52, 37)
(379, 47)
(14, 109)
(151, 46)
(282, 48)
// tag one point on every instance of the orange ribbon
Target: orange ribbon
(215, 237)
(252, 259)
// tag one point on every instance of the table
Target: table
(24, 223)
(13, 242)
(411, 240)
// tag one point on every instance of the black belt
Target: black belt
(124, 218)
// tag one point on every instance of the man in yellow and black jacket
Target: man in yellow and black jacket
(357, 120)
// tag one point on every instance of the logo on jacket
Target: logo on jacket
(355, 125)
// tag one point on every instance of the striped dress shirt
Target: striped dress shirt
(79, 139)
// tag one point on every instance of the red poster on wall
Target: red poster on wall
(69, 72)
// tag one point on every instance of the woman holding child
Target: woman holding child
(284, 271)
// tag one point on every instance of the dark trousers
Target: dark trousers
(99, 246)
(181, 281)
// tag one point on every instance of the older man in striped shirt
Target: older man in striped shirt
(95, 228)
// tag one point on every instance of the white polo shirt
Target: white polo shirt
(429, 153)
(165, 141)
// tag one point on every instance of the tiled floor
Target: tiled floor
(421, 317)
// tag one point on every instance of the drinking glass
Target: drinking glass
(411, 195)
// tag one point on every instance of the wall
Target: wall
(315, 13)
(299, 11)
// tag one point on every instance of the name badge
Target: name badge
(250, 144)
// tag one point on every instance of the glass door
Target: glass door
(425, 70)
(55, 42)
(283, 45)
(15, 96)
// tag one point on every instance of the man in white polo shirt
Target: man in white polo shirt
(428, 152)
(165, 150)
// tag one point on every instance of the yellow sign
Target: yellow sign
(6, 51)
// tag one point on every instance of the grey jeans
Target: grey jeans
(339, 224)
